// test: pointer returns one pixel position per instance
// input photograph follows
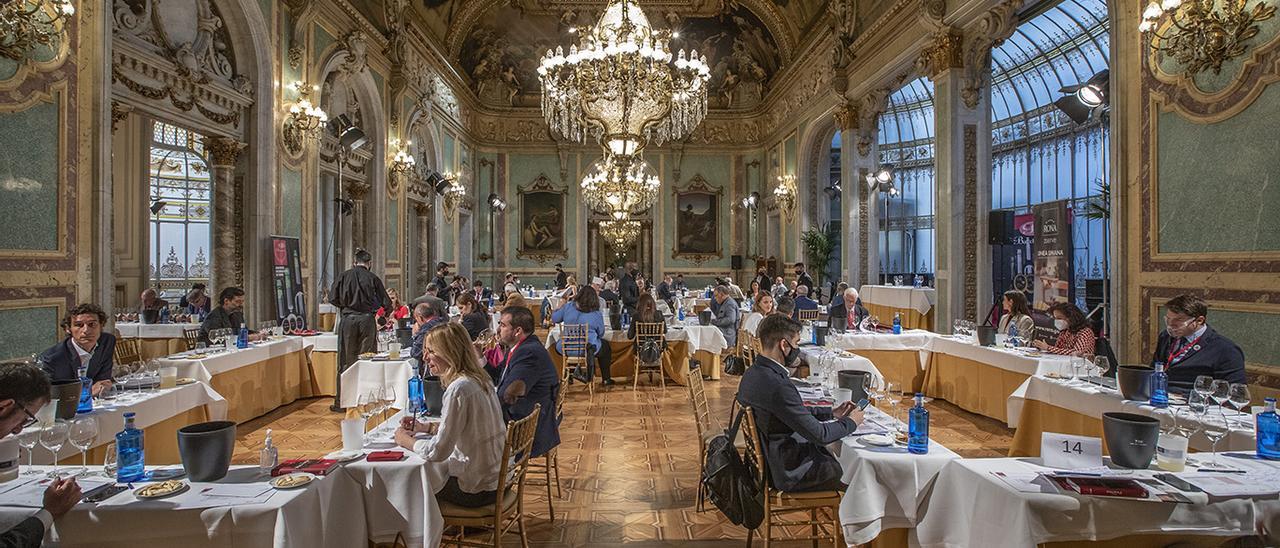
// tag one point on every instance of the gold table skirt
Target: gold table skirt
(911, 318)
(675, 361)
(970, 385)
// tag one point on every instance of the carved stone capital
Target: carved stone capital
(846, 116)
(119, 111)
(991, 30)
(357, 190)
(945, 53)
(422, 209)
(223, 151)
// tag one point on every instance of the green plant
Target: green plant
(819, 244)
(1099, 207)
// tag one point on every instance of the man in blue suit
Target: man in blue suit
(795, 442)
(1190, 348)
(86, 346)
(803, 302)
(528, 378)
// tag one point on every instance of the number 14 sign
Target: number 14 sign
(1067, 452)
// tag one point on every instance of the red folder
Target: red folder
(319, 467)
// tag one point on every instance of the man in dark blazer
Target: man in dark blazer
(724, 314)
(229, 314)
(628, 291)
(24, 389)
(795, 442)
(803, 278)
(1190, 348)
(847, 311)
(528, 378)
(562, 277)
(665, 294)
(86, 345)
(762, 280)
(803, 302)
(480, 293)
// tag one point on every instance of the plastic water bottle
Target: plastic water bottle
(1013, 334)
(680, 312)
(897, 323)
(1160, 387)
(918, 427)
(491, 301)
(164, 315)
(242, 340)
(626, 319)
(417, 396)
(86, 392)
(1268, 427)
(269, 457)
(130, 458)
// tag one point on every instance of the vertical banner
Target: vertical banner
(286, 273)
(1052, 254)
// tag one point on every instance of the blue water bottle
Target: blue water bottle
(491, 301)
(1013, 335)
(242, 340)
(164, 315)
(897, 323)
(130, 459)
(1268, 426)
(417, 397)
(626, 319)
(918, 427)
(1160, 387)
(86, 392)
(680, 312)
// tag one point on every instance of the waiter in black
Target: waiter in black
(562, 277)
(358, 293)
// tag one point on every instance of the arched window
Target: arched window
(1038, 153)
(831, 196)
(181, 190)
(907, 142)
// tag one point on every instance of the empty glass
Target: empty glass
(1221, 393)
(84, 430)
(1204, 385)
(1238, 397)
(367, 405)
(53, 437)
(109, 461)
(1198, 402)
(388, 400)
(1215, 428)
(1101, 365)
(27, 439)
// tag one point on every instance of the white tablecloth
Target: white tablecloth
(365, 375)
(135, 330)
(813, 355)
(400, 496)
(910, 339)
(326, 308)
(1003, 358)
(885, 483)
(319, 515)
(151, 407)
(899, 296)
(205, 368)
(968, 506)
(324, 342)
(700, 337)
(1092, 400)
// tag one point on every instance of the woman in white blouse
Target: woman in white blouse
(763, 306)
(467, 443)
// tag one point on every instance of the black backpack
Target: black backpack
(730, 482)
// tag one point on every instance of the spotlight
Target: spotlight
(157, 206)
(885, 173)
(437, 182)
(496, 203)
(832, 191)
(1084, 101)
(345, 205)
(349, 136)
(750, 201)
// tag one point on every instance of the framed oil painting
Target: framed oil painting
(542, 221)
(697, 229)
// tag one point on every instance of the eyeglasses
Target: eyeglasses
(31, 419)
(1177, 324)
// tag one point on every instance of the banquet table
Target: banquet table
(399, 497)
(328, 315)
(318, 515)
(1076, 407)
(914, 305)
(322, 359)
(158, 339)
(684, 341)
(159, 414)
(815, 356)
(254, 380)
(900, 358)
(970, 506)
(981, 378)
(365, 375)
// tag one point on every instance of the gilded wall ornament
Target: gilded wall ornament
(1201, 35)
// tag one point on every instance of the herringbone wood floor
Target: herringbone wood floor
(628, 462)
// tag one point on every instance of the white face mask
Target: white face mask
(1061, 325)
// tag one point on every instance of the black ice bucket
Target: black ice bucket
(206, 449)
(704, 317)
(1134, 382)
(1130, 438)
(986, 335)
(68, 395)
(433, 396)
(150, 315)
(855, 381)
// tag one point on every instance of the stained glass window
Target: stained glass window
(180, 202)
(906, 220)
(1039, 154)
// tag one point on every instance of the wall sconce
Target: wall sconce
(785, 195)
(402, 162)
(305, 119)
(30, 23)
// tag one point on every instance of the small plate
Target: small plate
(292, 481)
(161, 490)
(878, 440)
(344, 456)
(185, 381)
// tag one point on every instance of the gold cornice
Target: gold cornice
(943, 54)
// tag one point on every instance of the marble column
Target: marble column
(226, 255)
(860, 155)
(356, 191)
(963, 186)
(422, 270)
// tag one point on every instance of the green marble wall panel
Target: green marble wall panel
(393, 230)
(1253, 331)
(447, 145)
(321, 41)
(289, 74)
(1210, 81)
(29, 178)
(291, 203)
(789, 155)
(27, 331)
(1219, 184)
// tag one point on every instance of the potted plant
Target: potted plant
(819, 244)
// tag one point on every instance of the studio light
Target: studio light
(1083, 102)
(885, 173)
(349, 136)
(750, 201)
(345, 205)
(496, 203)
(157, 206)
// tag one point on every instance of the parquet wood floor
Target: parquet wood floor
(628, 463)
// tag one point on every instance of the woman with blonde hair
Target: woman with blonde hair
(466, 445)
(763, 306)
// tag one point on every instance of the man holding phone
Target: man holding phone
(795, 442)
(24, 389)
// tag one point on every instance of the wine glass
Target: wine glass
(1204, 385)
(1198, 402)
(27, 439)
(1076, 363)
(52, 437)
(109, 461)
(1215, 428)
(388, 400)
(367, 405)
(1238, 397)
(1102, 365)
(84, 430)
(1221, 393)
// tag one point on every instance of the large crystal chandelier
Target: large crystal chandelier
(620, 234)
(622, 86)
(619, 186)
(28, 24)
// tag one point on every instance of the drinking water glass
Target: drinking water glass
(53, 437)
(84, 430)
(1215, 428)
(1204, 385)
(27, 439)
(1238, 397)
(1198, 402)
(1221, 394)
(109, 465)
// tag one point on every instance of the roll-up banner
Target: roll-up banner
(1053, 254)
(286, 271)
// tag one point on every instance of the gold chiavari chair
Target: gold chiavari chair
(650, 336)
(826, 503)
(574, 348)
(707, 425)
(128, 351)
(507, 510)
(808, 315)
(547, 464)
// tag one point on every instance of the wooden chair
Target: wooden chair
(508, 510)
(574, 348)
(547, 464)
(192, 336)
(128, 351)
(708, 428)
(777, 502)
(650, 334)
(808, 315)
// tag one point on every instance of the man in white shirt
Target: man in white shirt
(24, 389)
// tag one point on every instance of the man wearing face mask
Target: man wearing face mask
(1190, 348)
(795, 442)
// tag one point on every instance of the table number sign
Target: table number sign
(1067, 452)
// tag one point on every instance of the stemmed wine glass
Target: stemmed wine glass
(84, 430)
(1221, 394)
(1203, 386)
(109, 461)
(388, 400)
(1102, 365)
(27, 439)
(1198, 402)
(1238, 397)
(368, 407)
(1215, 428)
(52, 437)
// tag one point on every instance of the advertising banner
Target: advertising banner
(286, 274)
(1053, 254)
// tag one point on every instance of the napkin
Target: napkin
(386, 456)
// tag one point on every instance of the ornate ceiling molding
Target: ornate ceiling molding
(990, 31)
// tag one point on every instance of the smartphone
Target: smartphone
(863, 403)
(104, 492)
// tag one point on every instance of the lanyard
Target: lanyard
(1175, 357)
(507, 361)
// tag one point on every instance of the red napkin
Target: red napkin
(386, 456)
(318, 467)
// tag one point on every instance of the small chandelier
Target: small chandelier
(785, 195)
(619, 186)
(26, 24)
(454, 194)
(1202, 34)
(621, 84)
(620, 234)
(305, 119)
(403, 162)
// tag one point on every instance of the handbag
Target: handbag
(735, 365)
(730, 482)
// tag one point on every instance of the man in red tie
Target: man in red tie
(1190, 348)
(480, 293)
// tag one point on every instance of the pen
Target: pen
(1222, 470)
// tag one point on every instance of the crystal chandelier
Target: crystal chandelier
(621, 234)
(621, 84)
(620, 186)
(305, 119)
(1202, 34)
(25, 24)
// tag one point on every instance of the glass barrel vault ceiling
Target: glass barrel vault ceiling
(1063, 46)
